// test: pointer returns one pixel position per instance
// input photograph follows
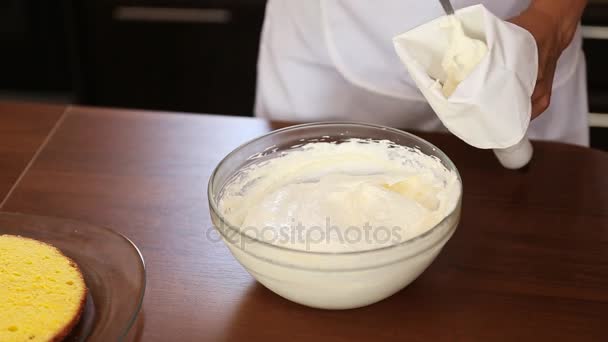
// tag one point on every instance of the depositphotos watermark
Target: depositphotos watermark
(300, 235)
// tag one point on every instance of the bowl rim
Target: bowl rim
(450, 163)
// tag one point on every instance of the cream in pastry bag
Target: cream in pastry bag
(477, 91)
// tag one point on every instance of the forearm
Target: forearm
(565, 14)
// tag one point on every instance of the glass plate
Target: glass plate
(112, 266)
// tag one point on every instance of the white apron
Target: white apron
(334, 60)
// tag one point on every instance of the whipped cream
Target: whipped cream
(462, 55)
(338, 197)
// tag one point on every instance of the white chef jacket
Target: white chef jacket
(334, 60)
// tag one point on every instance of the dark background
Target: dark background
(177, 55)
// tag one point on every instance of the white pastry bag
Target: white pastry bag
(491, 108)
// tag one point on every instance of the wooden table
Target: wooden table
(529, 260)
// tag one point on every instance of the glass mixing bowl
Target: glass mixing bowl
(322, 279)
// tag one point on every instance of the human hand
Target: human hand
(552, 23)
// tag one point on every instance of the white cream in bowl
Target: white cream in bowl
(357, 195)
(338, 225)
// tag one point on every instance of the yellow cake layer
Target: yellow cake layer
(42, 292)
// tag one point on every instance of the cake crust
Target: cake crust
(70, 326)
